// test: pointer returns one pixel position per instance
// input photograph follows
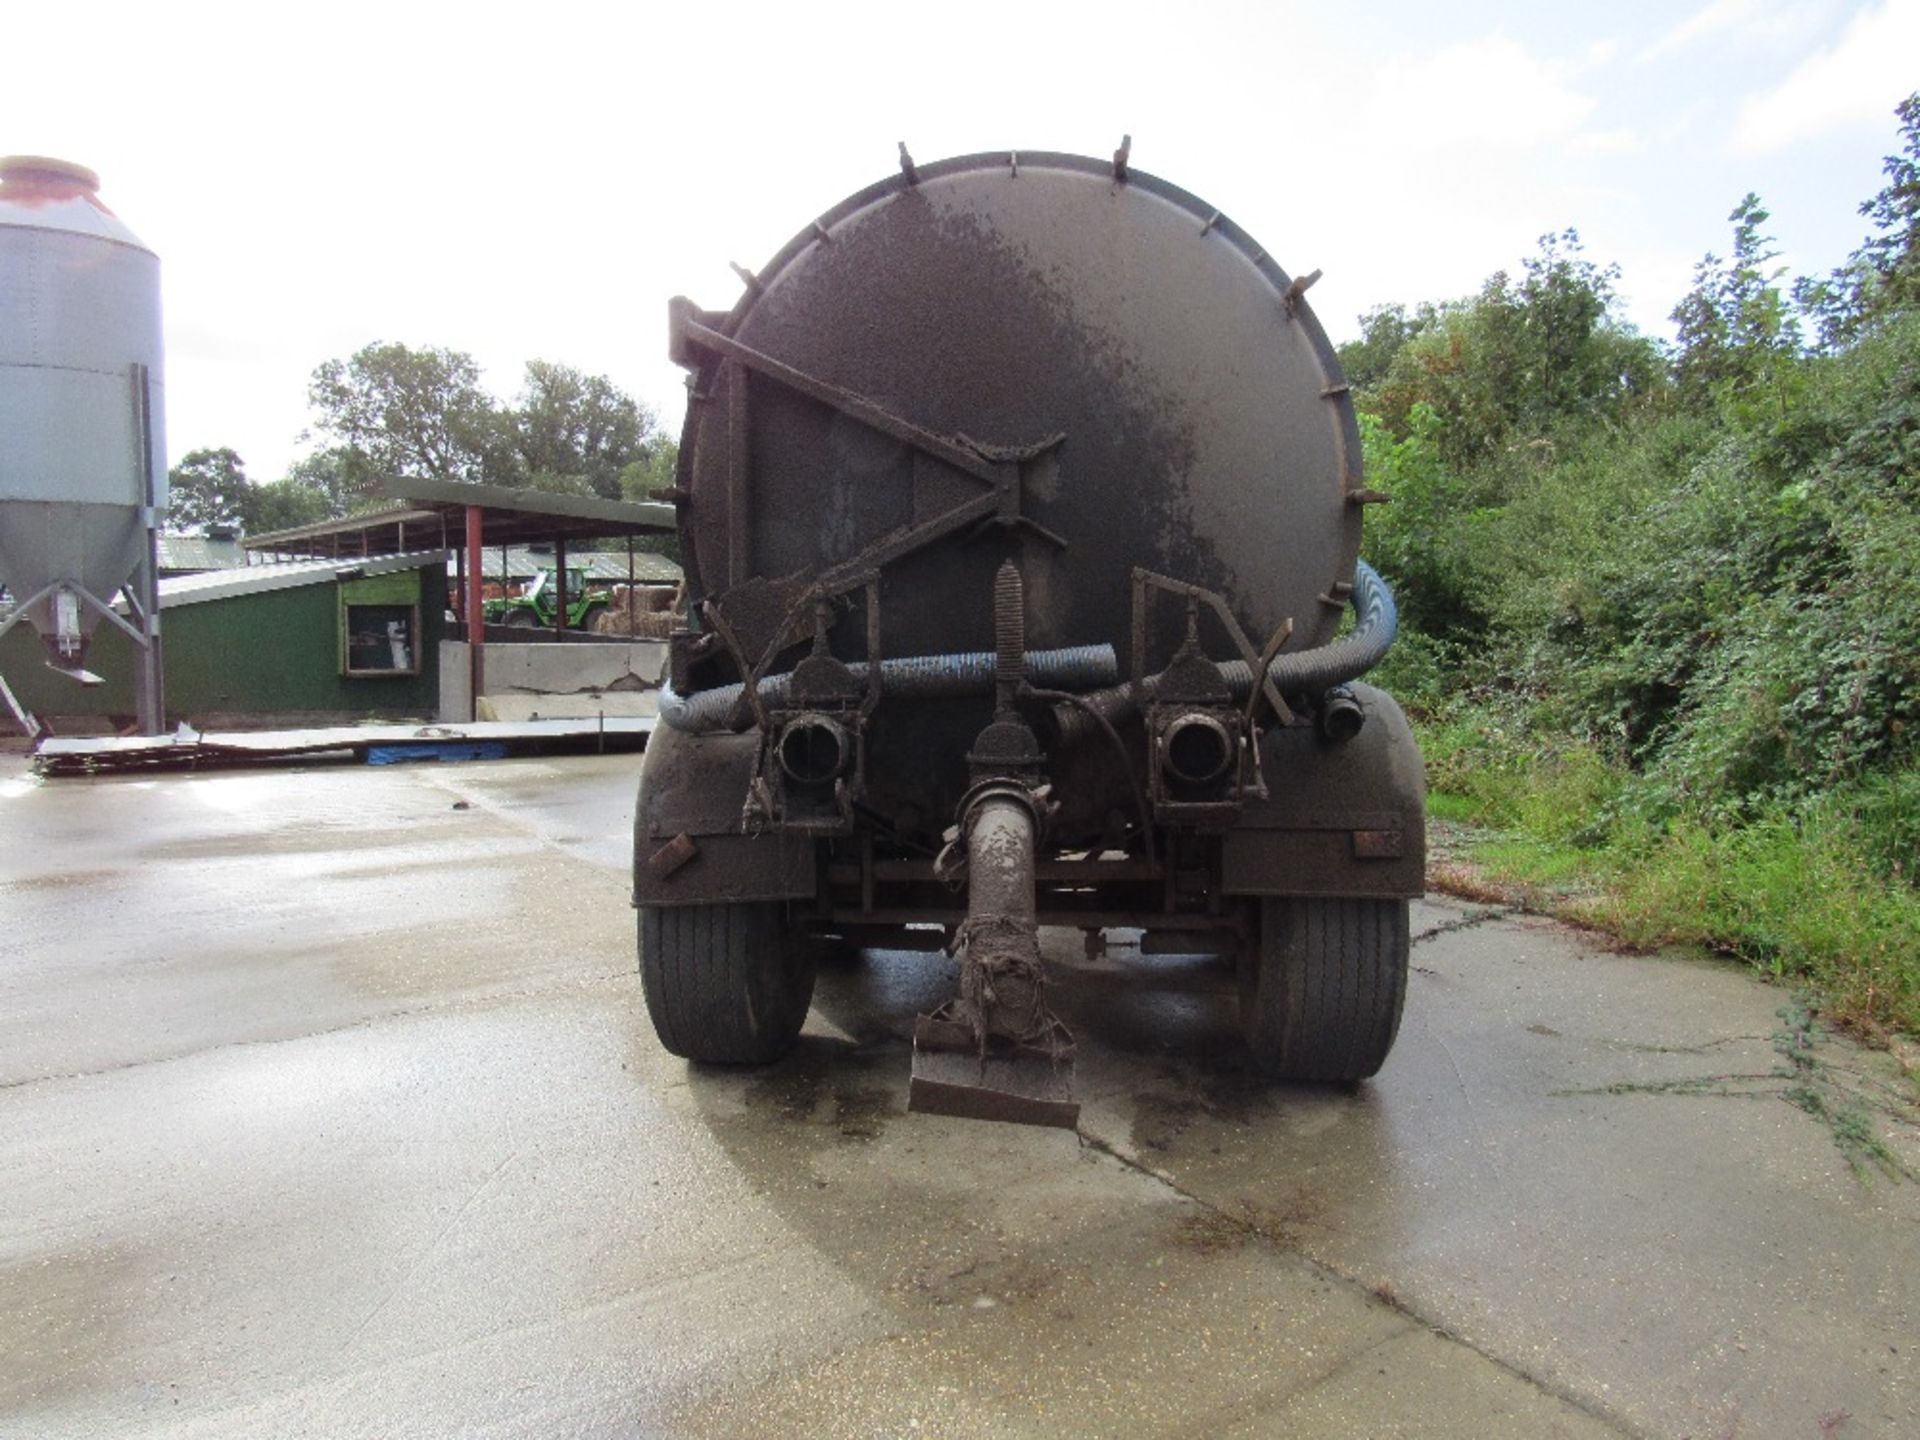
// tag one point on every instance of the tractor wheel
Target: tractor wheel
(1322, 989)
(724, 983)
(522, 620)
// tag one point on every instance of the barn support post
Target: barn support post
(476, 617)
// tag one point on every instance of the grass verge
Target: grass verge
(1824, 894)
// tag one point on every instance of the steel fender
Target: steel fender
(695, 786)
(1346, 819)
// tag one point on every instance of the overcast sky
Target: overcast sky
(536, 181)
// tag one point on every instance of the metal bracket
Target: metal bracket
(1296, 290)
(771, 801)
(1145, 581)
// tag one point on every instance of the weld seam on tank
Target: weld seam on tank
(916, 677)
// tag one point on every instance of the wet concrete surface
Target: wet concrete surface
(329, 1108)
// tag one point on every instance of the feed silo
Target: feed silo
(82, 444)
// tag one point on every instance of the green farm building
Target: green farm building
(310, 641)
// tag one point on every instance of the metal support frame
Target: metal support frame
(30, 724)
(141, 589)
(143, 593)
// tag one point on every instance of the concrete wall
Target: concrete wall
(527, 681)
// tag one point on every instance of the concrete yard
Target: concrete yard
(329, 1106)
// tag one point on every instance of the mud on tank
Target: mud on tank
(1020, 498)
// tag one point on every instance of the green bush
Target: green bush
(1662, 614)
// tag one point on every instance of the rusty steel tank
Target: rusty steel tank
(1021, 503)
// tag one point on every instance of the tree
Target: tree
(1518, 359)
(643, 478)
(337, 482)
(1384, 332)
(207, 488)
(1738, 338)
(401, 413)
(284, 504)
(1882, 277)
(652, 470)
(576, 432)
(1578, 359)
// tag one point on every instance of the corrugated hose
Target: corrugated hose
(916, 677)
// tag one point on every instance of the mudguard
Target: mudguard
(1343, 819)
(688, 844)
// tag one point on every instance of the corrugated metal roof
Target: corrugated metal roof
(186, 553)
(178, 590)
(522, 562)
(439, 509)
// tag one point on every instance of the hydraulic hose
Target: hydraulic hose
(917, 677)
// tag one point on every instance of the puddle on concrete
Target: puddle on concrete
(834, 1089)
(62, 880)
(61, 1314)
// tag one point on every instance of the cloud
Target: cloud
(1713, 18)
(1765, 27)
(1487, 94)
(1853, 84)
(1622, 140)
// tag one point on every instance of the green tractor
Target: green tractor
(533, 608)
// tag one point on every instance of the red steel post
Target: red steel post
(476, 615)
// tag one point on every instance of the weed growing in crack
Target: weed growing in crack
(1844, 1102)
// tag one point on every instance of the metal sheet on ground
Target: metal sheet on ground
(188, 749)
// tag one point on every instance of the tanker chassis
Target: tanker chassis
(1020, 498)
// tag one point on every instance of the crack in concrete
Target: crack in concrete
(427, 1252)
(1460, 922)
(1379, 1295)
(1282, 1397)
(1635, 1048)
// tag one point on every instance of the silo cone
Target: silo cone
(83, 479)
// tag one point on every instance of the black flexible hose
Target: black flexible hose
(915, 677)
(1377, 621)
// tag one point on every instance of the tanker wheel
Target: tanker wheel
(1323, 986)
(728, 984)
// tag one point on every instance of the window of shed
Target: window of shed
(383, 639)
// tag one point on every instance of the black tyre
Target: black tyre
(724, 983)
(1322, 990)
(523, 620)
